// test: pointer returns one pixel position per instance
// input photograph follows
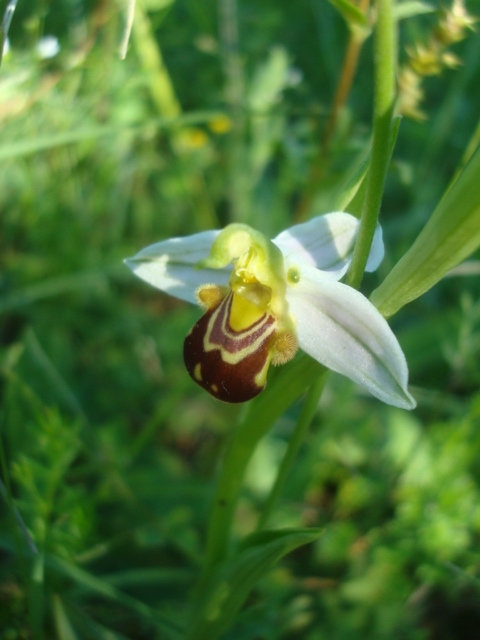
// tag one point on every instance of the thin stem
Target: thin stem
(342, 91)
(234, 96)
(349, 67)
(260, 414)
(150, 56)
(344, 85)
(385, 73)
(238, 455)
(294, 444)
(231, 58)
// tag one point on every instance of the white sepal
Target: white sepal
(377, 251)
(170, 265)
(341, 329)
(327, 242)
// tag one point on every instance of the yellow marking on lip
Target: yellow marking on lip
(263, 330)
(197, 372)
(243, 313)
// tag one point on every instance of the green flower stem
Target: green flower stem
(384, 99)
(283, 388)
(288, 384)
(234, 96)
(295, 442)
(238, 454)
(350, 63)
(164, 98)
(151, 59)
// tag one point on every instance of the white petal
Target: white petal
(377, 251)
(170, 265)
(340, 328)
(327, 242)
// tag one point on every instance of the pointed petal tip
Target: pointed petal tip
(341, 329)
(410, 402)
(133, 262)
(403, 400)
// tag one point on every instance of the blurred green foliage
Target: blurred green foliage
(108, 451)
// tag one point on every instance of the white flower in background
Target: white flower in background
(48, 47)
(265, 298)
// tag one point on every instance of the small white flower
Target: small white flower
(48, 47)
(264, 298)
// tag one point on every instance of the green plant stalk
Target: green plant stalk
(264, 410)
(150, 56)
(308, 411)
(234, 96)
(62, 624)
(167, 104)
(260, 414)
(385, 71)
(356, 39)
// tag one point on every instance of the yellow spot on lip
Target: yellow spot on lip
(197, 372)
(214, 388)
(244, 313)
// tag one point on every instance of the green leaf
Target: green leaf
(265, 91)
(99, 586)
(62, 623)
(450, 236)
(269, 81)
(350, 13)
(229, 587)
(286, 384)
(352, 192)
(157, 5)
(356, 20)
(50, 140)
(411, 9)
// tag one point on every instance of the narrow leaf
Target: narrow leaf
(229, 587)
(97, 585)
(49, 140)
(411, 9)
(450, 236)
(285, 385)
(350, 13)
(62, 623)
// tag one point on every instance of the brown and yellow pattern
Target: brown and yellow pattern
(230, 364)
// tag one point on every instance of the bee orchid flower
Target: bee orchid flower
(263, 299)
